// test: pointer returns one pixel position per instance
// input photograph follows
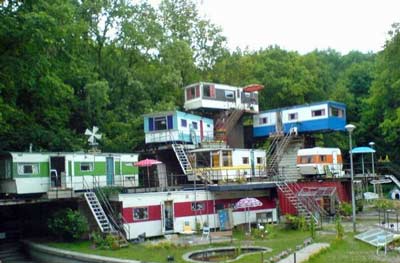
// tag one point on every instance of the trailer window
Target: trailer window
(197, 206)
(293, 116)
(226, 158)
(229, 94)
(245, 160)
(160, 123)
(86, 167)
(317, 113)
(263, 120)
(192, 92)
(336, 112)
(259, 160)
(194, 125)
(141, 213)
(215, 159)
(28, 168)
(183, 123)
(209, 91)
(306, 159)
(323, 158)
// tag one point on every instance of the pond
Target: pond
(222, 254)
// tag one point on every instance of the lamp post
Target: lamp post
(371, 144)
(350, 128)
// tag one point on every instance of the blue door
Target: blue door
(110, 170)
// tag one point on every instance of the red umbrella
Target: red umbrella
(147, 163)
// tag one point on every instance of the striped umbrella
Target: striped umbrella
(248, 203)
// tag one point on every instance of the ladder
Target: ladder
(104, 214)
(98, 212)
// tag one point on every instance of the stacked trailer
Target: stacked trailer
(179, 126)
(315, 117)
(160, 213)
(228, 164)
(33, 173)
(214, 96)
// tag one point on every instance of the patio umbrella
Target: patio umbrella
(147, 163)
(248, 203)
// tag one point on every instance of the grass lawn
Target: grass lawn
(282, 239)
(346, 250)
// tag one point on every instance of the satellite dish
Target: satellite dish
(93, 136)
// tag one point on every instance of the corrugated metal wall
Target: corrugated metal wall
(342, 188)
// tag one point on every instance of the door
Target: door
(201, 131)
(168, 216)
(279, 125)
(110, 170)
(57, 171)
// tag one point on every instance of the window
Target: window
(28, 168)
(323, 158)
(317, 113)
(140, 213)
(209, 91)
(160, 123)
(5, 169)
(306, 159)
(226, 158)
(86, 167)
(263, 120)
(293, 116)
(336, 112)
(183, 123)
(197, 206)
(259, 160)
(229, 94)
(245, 160)
(215, 159)
(194, 125)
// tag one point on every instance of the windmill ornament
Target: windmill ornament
(93, 136)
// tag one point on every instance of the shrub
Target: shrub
(345, 209)
(296, 222)
(339, 228)
(98, 240)
(67, 224)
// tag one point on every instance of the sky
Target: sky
(304, 25)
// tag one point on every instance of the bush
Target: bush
(339, 228)
(345, 209)
(67, 224)
(296, 222)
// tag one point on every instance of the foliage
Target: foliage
(345, 209)
(98, 240)
(339, 228)
(312, 229)
(67, 224)
(296, 222)
(383, 204)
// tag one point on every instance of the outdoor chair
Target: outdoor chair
(206, 232)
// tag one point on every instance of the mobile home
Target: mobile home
(315, 117)
(220, 97)
(32, 173)
(320, 161)
(179, 126)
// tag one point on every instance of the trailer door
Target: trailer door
(167, 216)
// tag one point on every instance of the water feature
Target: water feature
(222, 254)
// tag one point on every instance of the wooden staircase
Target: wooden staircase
(225, 122)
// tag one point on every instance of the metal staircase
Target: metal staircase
(98, 212)
(105, 215)
(225, 123)
(275, 152)
(185, 164)
(291, 196)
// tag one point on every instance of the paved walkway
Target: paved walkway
(305, 253)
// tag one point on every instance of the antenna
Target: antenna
(93, 136)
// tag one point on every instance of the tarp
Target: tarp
(363, 150)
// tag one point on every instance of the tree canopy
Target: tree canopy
(68, 65)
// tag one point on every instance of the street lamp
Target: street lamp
(371, 144)
(350, 128)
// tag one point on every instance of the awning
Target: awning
(363, 150)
